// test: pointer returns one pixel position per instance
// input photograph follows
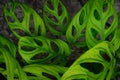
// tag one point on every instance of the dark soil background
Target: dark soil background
(72, 6)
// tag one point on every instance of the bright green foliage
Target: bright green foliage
(55, 16)
(32, 46)
(8, 45)
(44, 58)
(13, 69)
(76, 30)
(99, 26)
(23, 26)
(40, 72)
(96, 64)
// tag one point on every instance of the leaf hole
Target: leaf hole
(38, 42)
(2, 77)
(94, 67)
(81, 39)
(81, 18)
(31, 24)
(74, 31)
(10, 19)
(54, 46)
(95, 34)
(49, 76)
(59, 9)
(110, 36)
(27, 48)
(65, 22)
(105, 7)
(56, 27)
(61, 74)
(105, 56)
(52, 17)
(20, 32)
(40, 56)
(39, 30)
(29, 74)
(109, 22)
(3, 65)
(19, 13)
(96, 15)
(50, 5)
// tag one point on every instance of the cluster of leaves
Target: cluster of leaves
(94, 28)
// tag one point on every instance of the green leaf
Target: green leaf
(12, 69)
(41, 49)
(44, 72)
(19, 18)
(76, 31)
(98, 63)
(55, 16)
(103, 21)
(8, 45)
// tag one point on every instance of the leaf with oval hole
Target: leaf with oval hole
(92, 65)
(38, 42)
(105, 6)
(79, 21)
(95, 34)
(54, 46)
(40, 56)
(40, 46)
(81, 18)
(45, 72)
(54, 12)
(104, 23)
(19, 18)
(104, 55)
(96, 15)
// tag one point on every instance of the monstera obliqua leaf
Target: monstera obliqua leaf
(9, 65)
(103, 21)
(8, 45)
(23, 20)
(41, 49)
(55, 16)
(98, 63)
(44, 72)
(76, 31)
